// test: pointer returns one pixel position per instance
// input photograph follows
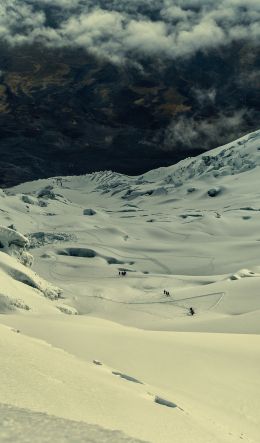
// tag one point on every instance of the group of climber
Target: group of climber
(123, 273)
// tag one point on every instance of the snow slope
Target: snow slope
(127, 356)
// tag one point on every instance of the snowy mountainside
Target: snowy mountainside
(234, 158)
(130, 256)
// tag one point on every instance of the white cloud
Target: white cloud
(198, 134)
(119, 28)
(204, 35)
(149, 37)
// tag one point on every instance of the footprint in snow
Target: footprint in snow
(164, 402)
(120, 374)
(159, 400)
(127, 377)
(97, 362)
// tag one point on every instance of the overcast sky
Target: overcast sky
(120, 29)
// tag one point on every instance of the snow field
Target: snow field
(127, 356)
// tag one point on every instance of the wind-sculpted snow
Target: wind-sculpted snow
(89, 211)
(90, 253)
(14, 263)
(38, 239)
(15, 244)
(11, 304)
(10, 238)
(12, 270)
(244, 273)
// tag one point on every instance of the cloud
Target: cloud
(121, 29)
(199, 134)
(204, 96)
